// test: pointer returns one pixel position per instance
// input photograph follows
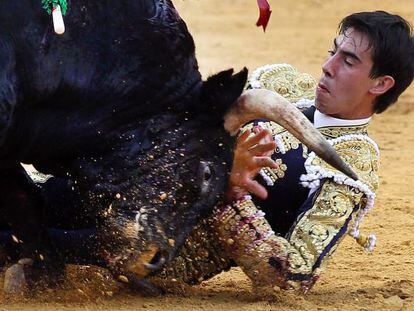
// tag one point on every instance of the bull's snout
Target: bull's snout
(134, 270)
(149, 260)
(159, 259)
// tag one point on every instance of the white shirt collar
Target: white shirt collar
(322, 120)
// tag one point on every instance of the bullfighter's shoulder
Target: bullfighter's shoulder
(359, 151)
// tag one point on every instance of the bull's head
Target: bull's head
(173, 179)
(182, 174)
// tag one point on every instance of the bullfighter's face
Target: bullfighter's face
(346, 90)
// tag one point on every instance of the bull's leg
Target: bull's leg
(22, 214)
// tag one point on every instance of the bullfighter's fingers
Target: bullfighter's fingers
(257, 189)
(254, 140)
(243, 137)
(265, 162)
(267, 138)
(263, 149)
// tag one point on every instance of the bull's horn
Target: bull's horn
(260, 103)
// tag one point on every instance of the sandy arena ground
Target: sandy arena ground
(300, 32)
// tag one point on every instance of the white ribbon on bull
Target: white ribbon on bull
(261, 103)
(58, 24)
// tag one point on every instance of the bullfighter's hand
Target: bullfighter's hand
(250, 155)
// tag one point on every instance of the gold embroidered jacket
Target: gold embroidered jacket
(331, 206)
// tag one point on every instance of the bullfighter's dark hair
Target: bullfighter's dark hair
(392, 43)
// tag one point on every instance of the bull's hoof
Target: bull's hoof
(15, 278)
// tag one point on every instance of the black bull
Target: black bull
(116, 110)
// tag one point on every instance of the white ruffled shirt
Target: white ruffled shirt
(322, 120)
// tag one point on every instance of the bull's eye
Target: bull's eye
(205, 174)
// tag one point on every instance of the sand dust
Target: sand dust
(300, 33)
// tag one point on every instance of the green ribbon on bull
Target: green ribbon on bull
(48, 5)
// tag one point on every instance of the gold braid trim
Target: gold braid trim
(337, 131)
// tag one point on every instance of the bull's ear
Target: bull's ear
(220, 91)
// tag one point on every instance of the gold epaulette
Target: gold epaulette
(285, 80)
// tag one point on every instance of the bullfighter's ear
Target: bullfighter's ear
(220, 91)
